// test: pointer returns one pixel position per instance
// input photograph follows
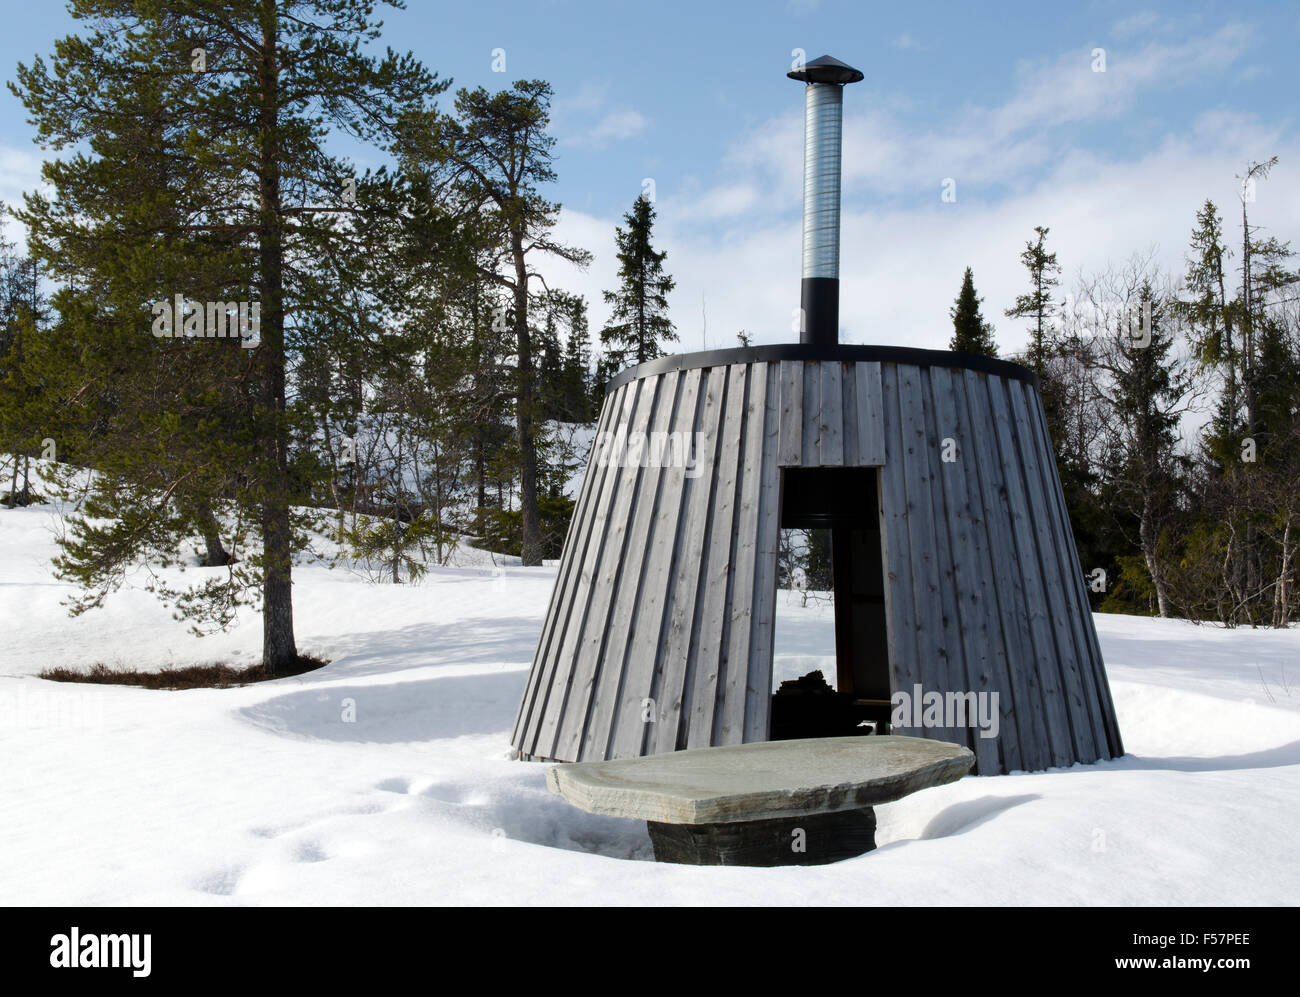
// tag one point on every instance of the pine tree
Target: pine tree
(23, 400)
(639, 323)
(1037, 304)
(1210, 315)
(493, 158)
(971, 333)
(206, 175)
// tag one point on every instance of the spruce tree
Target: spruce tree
(639, 323)
(820, 575)
(1037, 304)
(550, 389)
(1148, 385)
(578, 389)
(970, 332)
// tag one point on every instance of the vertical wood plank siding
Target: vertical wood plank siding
(659, 632)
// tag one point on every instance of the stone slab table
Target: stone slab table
(802, 802)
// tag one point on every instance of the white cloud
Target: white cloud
(585, 119)
(729, 201)
(1009, 143)
(901, 262)
(588, 98)
(1136, 23)
(614, 127)
(1066, 90)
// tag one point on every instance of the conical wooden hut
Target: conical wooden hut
(956, 571)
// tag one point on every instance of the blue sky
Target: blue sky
(1002, 98)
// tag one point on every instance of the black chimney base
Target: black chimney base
(819, 297)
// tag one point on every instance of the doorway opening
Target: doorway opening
(844, 502)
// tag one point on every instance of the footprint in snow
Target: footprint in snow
(453, 793)
(310, 851)
(221, 883)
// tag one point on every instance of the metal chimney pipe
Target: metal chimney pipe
(819, 289)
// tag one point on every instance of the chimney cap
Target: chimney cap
(826, 69)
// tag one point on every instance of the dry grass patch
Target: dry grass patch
(218, 676)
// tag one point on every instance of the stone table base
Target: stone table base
(801, 802)
(811, 839)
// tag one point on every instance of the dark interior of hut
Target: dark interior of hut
(845, 501)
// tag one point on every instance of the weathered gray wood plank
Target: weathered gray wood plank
(971, 617)
(812, 406)
(627, 581)
(849, 407)
(995, 654)
(1034, 608)
(1060, 614)
(900, 603)
(791, 447)
(937, 601)
(605, 571)
(1061, 562)
(758, 690)
(575, 539)
(676, 667)
(915, 471)
(1099, 688)
(1103, 701)
(1007, 579)
(578, 597)
(644, 664)
(734, 661)
(871, 426)
(717, 559)
(830, 417)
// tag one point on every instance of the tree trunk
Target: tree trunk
(215, 555)
(642, 354)
(1227, 338)
(1254, 569)
(1146, 530)
(531, 546)
(480, 478)
(1283, 591)
(437, 500)
(279, 650)
(480, 461)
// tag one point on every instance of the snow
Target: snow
(267, 795)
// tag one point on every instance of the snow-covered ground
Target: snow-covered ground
(267, 795)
